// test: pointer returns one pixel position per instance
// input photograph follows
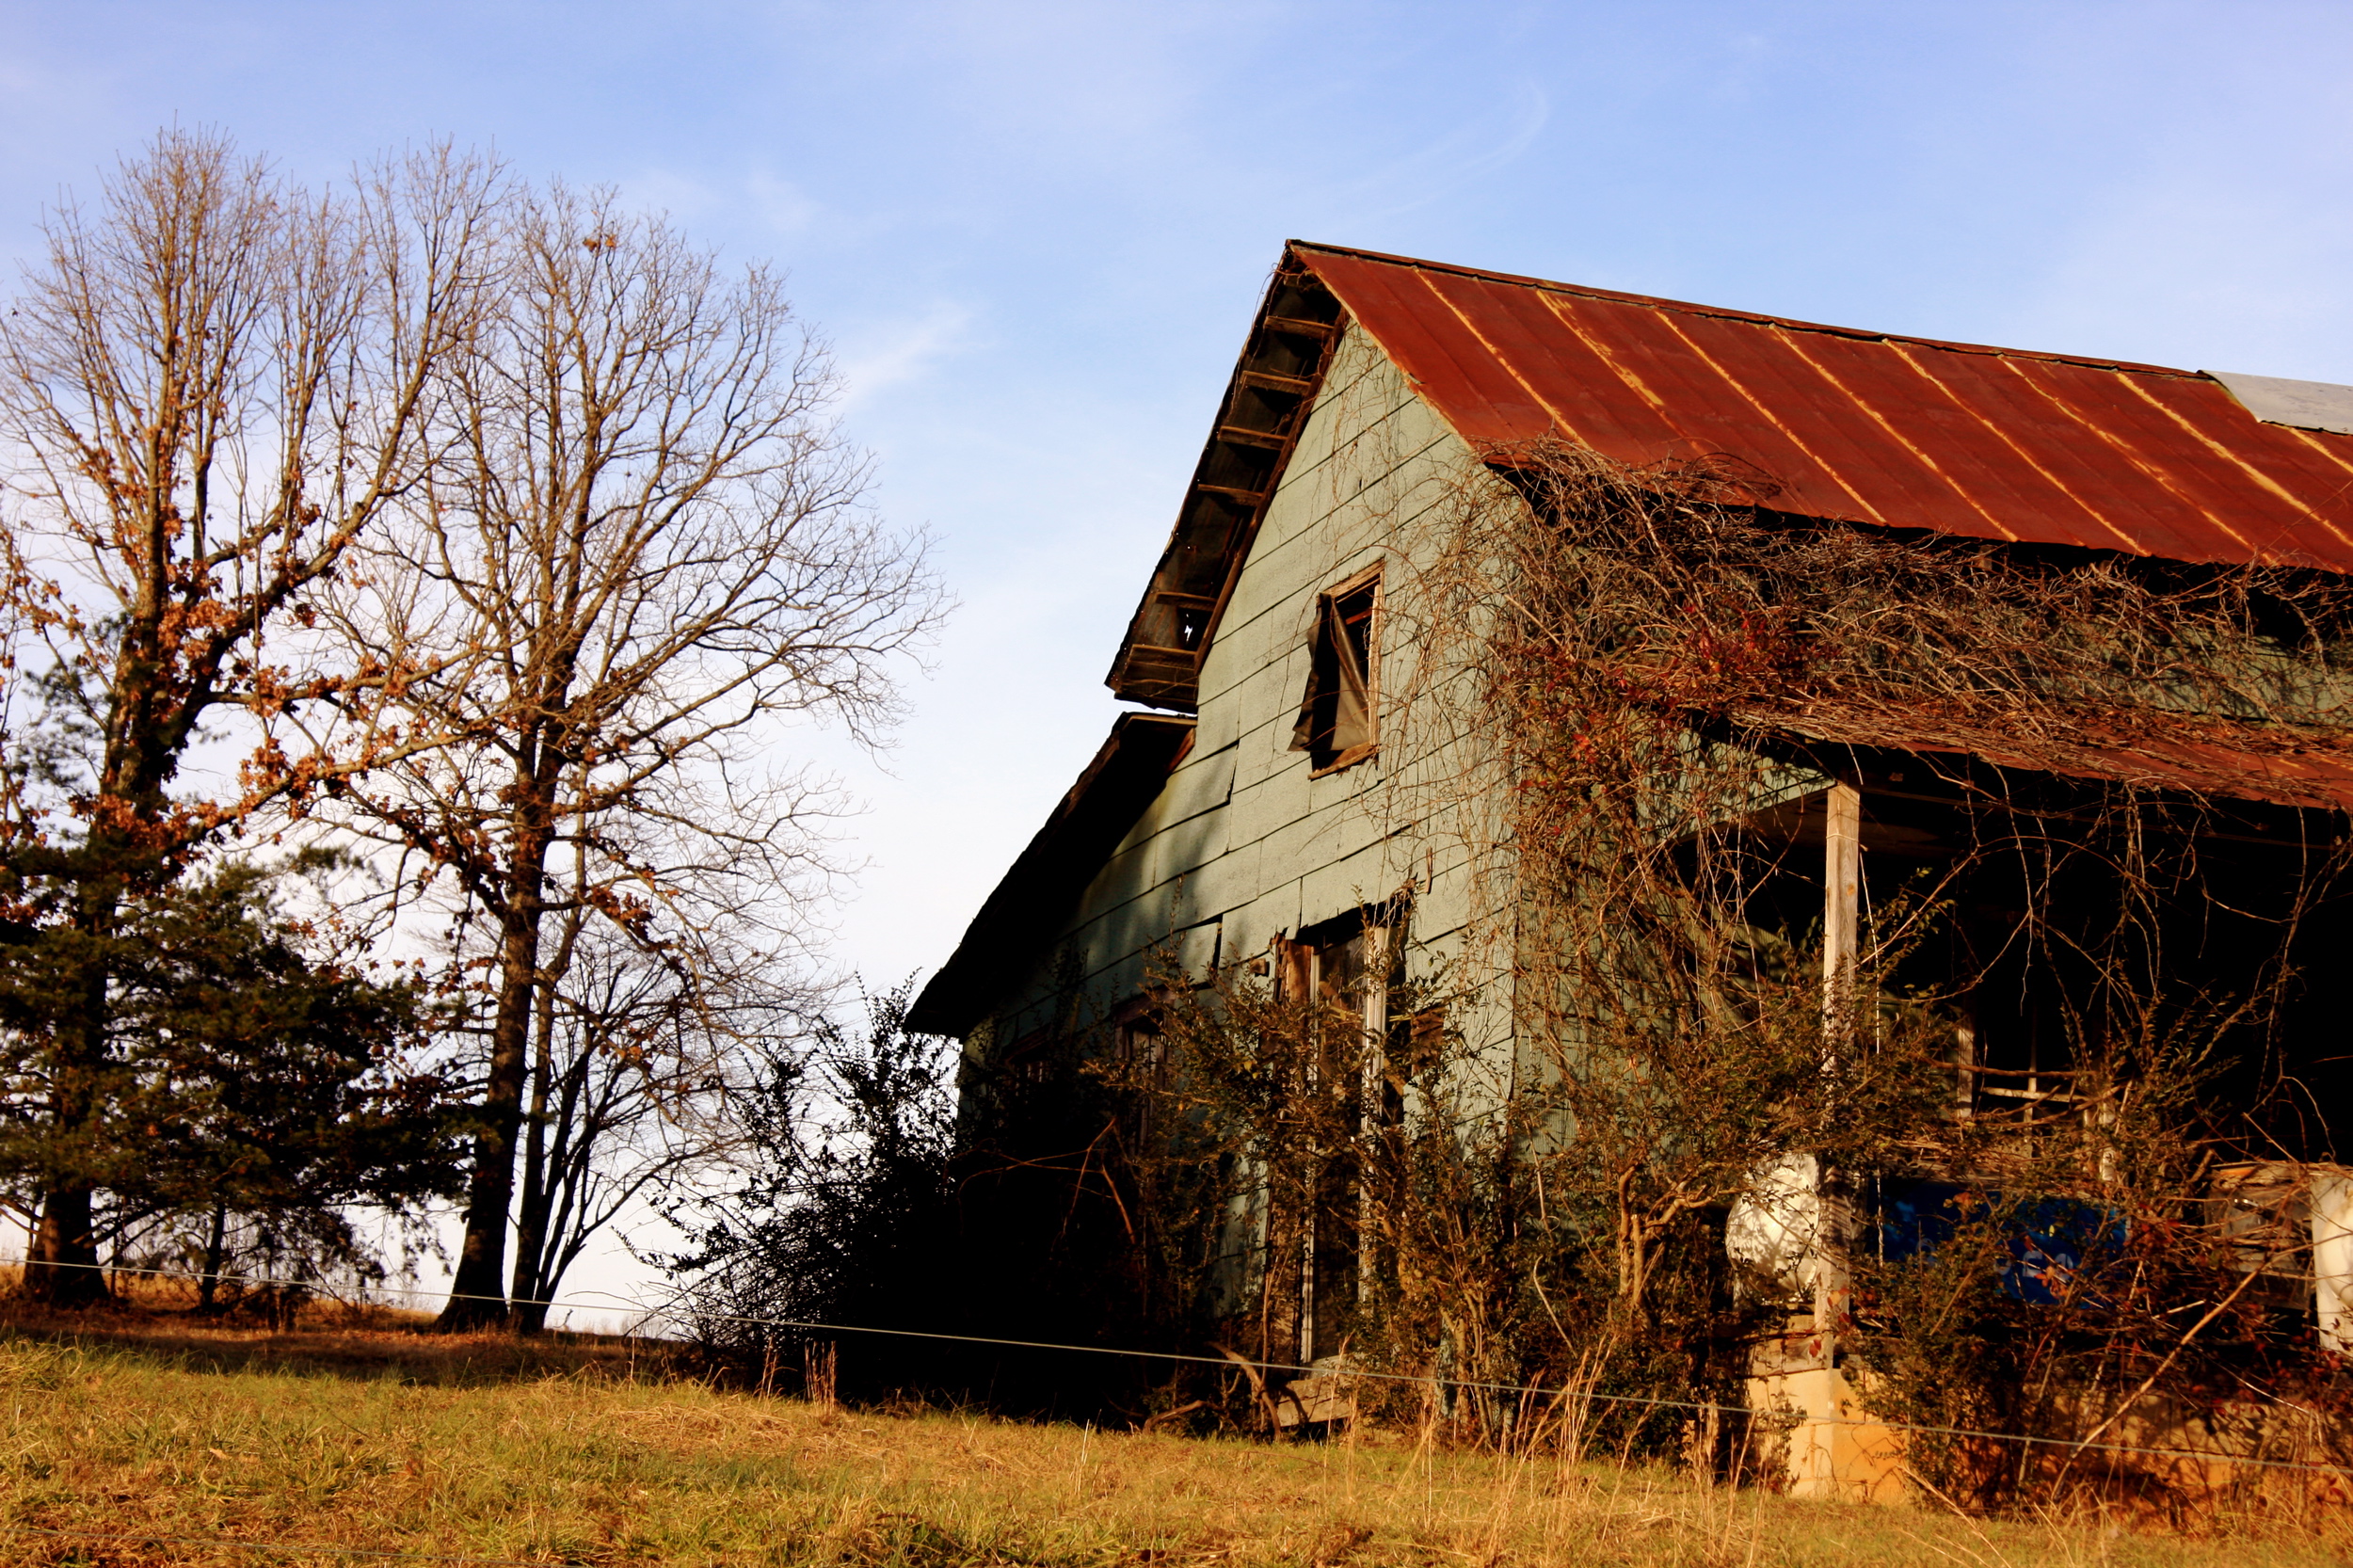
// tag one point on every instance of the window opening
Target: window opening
(1142, 1054)
(1336, 716)
(1348, 967)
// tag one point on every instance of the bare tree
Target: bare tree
(210, 387)
(634, 1059)
(643, 549)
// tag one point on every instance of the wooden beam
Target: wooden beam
(1842, 935)
(1842, 909)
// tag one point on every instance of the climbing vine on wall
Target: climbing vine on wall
(2065, 1109)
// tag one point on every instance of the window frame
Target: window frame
(1335, 1249)
(1348, 587)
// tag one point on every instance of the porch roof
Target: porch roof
(2282, 764)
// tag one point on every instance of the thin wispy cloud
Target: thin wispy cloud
(1441, 168)
(886, 355)
(784, 206)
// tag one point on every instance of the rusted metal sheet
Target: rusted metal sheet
(1904, 432)
(2272, 763)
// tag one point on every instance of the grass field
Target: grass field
(147, 1441)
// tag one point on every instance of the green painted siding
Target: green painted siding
(1243, 845)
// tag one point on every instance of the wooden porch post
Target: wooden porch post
(1842, 912)
(1842, 921)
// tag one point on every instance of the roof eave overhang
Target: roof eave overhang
(1046, 880)
(1266, 404)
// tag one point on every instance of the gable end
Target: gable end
(1266, 404)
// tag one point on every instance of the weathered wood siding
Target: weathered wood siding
(1242, 844)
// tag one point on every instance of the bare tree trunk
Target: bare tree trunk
(215, 1248)
(566, 1169)
(644, 544)
(533, 1285)
(475, 1298)
(538, 1224)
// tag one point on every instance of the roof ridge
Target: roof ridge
(1687, 307)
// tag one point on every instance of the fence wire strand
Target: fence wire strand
(646, 1315)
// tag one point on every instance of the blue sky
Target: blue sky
(1035, 230)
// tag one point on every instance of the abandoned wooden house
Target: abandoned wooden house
(1271, 805)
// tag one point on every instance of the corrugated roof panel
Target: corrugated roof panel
(1605, 419)
(2019, 457)
(1823, 406)
(1564, 373)
(1435, 349)
(2191, 764)
(1986, 442)
(2049, 422)
(2160, 483)
(2044, 461)
(2301, 480)
(1997, 493)
(1704, 405)
(1513, 372)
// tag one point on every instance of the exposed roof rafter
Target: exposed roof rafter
(1272, 387)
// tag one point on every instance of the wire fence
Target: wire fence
(647, 1317)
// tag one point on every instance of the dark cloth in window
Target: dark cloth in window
(1336, 716)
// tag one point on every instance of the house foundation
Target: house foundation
(1826, 1446)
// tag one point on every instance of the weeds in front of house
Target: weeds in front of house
(2049, 1133)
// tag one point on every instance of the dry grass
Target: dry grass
(155, 1319)
(390, 1442)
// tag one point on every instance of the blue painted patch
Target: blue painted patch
(2051, 1242)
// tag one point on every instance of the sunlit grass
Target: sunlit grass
(109, 1441)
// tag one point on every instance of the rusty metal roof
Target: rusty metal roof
(2282, 764)
(1861, 426)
